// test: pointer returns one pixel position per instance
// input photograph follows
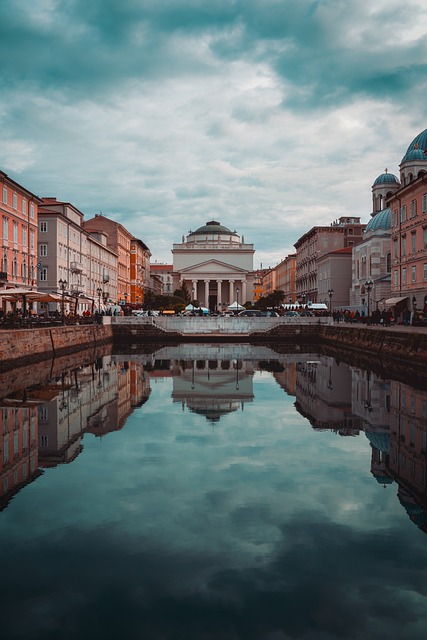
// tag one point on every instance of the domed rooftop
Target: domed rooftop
(213, 228)
(381, 220)
(387, 178)
(419, 144)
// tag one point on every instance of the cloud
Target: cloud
(270, 116)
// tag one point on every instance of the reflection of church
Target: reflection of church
(212, 388)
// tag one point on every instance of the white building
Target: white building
(371, 268)
(215, 265)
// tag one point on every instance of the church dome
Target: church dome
(213, 228)
(387, 178)
(419, 145)
(381, 220)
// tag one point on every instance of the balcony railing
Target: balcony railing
(76, 267)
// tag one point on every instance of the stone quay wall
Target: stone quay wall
(20, 346)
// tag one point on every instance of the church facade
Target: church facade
(215, 265)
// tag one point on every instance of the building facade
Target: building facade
(371, 265)
(408, 207)
(139, 270)
(164, 272)
(18, 234)
(216, 266)
(118, 240)
(334, 278)
(345, 232)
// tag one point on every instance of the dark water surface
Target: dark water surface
(212, 492)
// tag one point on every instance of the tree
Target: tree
(183, 293)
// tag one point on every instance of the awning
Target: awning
(393, 301)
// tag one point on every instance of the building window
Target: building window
(4, 195)
(425, 237)
(395, 249)
(31, 239)
(24, 206)
(15, 267)
(414, 274)
(425, 203)
(43, 250)
(425, 271)
(24, 236)
(403, 276)
(414, 242)
(15, 232)
(5, 228)
(31, 210)
(395, 280)
(413, 208)
(388, 262)
(15, 201)
(403, 213)
(43, 274)
(394, 218)
(43, 227)
(403, 245)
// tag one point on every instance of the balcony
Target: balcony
(76, 267)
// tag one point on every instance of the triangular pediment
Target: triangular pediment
(212, 266)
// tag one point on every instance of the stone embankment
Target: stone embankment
(21, 346)
(396, 346)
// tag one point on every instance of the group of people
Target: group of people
(383, 318)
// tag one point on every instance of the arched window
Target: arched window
(5, 265)
(388, 262)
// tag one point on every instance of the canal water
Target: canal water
(212, 492)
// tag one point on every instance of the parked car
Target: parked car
(291, 314)
(251, 313)
(270, 314)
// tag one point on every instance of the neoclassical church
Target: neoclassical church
(216, 266)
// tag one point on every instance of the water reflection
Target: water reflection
(43, 424)
(250, 495)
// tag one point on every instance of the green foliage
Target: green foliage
(183, 293)
(272, 300)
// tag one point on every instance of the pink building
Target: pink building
(409, 230)
(18, 234)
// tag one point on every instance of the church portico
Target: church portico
(224, 291)
(215, 265)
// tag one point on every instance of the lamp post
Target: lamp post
(237, 294)
(99, 292)
(62, 286)
(368, 286)
(330, 294)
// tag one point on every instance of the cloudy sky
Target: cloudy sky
(270, 116)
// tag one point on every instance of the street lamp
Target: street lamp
(368, 286)
(63, 286)
(237, 294)
(99, 292)
(330, 294)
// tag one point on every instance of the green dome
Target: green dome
(386, 178)
(381, 220)
(419, 145)
(213, 228)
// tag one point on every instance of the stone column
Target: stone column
(244, 292)
(231, 292)
(218, 297)
(194, 288)
(207, 294)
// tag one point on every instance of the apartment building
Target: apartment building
(18, 234)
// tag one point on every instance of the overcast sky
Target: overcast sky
(270, 116)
